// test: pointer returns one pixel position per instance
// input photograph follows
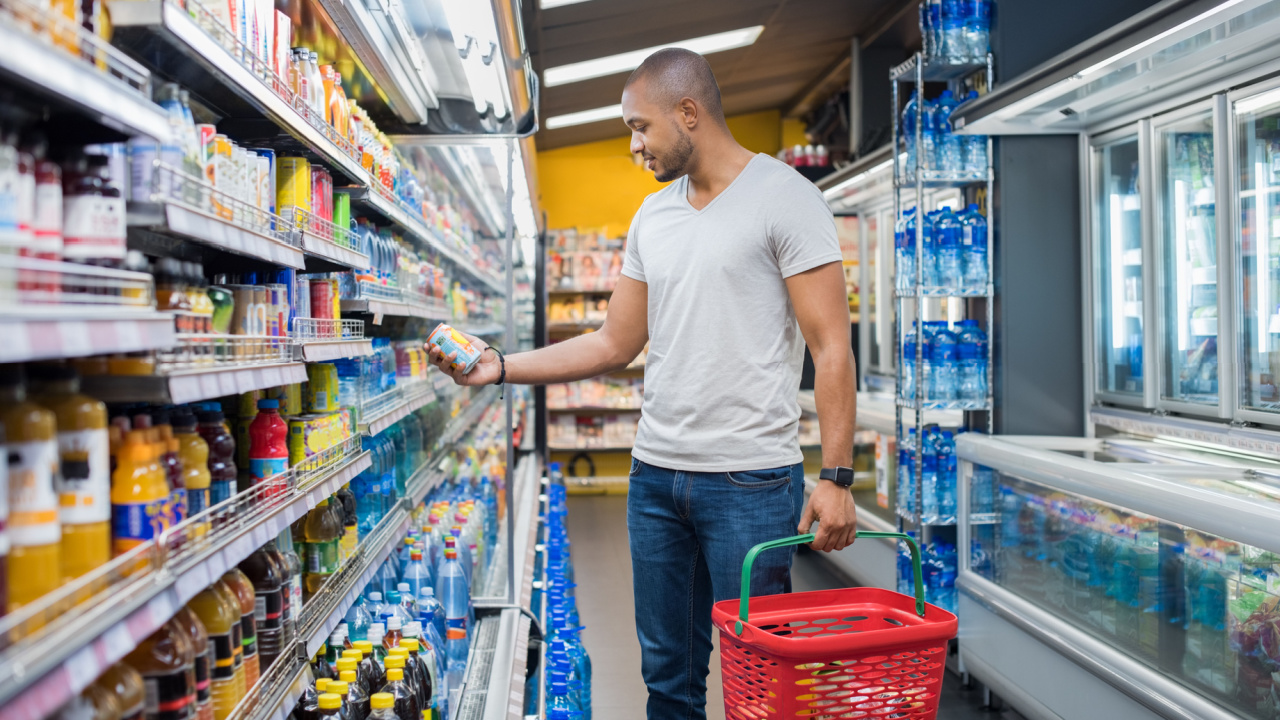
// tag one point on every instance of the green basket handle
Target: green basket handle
(808, 538)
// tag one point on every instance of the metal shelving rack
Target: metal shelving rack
(916, 71)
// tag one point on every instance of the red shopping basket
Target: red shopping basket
(849, 653)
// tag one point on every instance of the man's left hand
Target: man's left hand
(832, 507)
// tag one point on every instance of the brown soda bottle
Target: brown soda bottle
(406, 700)
(243, 590)
(330, 706)
(357, 698)
(268, 613)
(370, 668)
(308, 707)
(165, 662)
(222, 623)
(203, 661)
(287, 611)
(122, 681)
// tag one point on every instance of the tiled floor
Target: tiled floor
(598, 536)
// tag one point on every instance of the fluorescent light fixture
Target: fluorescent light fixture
(547, 4)
(833, 192)
(623, 62)
(583, 117)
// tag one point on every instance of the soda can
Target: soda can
(450, 341)
(342, 218)
(321, 299)
(293, 186)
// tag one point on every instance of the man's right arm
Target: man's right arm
(617, 343)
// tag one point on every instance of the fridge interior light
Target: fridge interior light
(622, 62)
(584, 116)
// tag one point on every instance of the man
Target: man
(729, 271)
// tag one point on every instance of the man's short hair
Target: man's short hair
(676, 73)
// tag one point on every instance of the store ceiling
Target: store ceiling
(803, 43)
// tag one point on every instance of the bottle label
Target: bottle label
(237, 644)
(249, 635)
(48, 219)
(33, 511)
(168, 697)
(84, 485)
(9, 199)
(322, 557)
(968, 234)
(203, 667)
(224, 657)
(135, 712)
(295, 602)
(176, 506)
(263, 468)
(197, 501)
(219, 491)
(133, 524)
(93, 227)
(268, 610)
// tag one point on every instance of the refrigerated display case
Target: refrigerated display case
(1153, 570)
(1121, 277)
(1257, 128)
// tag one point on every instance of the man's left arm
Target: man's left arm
(821, 305)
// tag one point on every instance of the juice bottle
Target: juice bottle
(265, 574)
(137, 495)
(84, 490)
(202, 648)
(219, 621)
(122, 681)
(395, 626)
(165, 662)
(268, 442)
(286, 594)
(326, 79)
(177, 505)
(222, 455)
(193, 453)
(243, 590)
(33, 528)
(93, 703)
(323, 535)
(231, 601)
(293, 567)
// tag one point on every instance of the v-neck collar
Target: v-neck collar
(684, 188)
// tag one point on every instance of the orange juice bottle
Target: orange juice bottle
(84, 487)
(231, 602)
(138, 494)
(326, 76)
(243, 590)
(35, 566)
(190, 624)
(122, 681)
(193, 453)
(220, 620)
(165, 661)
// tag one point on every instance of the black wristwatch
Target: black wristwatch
(841, 476)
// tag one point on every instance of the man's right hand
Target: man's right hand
(485, 372)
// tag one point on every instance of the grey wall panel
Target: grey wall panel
(1026, 33)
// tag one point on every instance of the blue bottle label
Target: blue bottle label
(263, 468)
(138, 521)
(197, 501)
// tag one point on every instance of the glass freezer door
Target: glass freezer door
(1258, 135)
(1189, 243)
(1119, 281)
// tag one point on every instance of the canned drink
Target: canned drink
(321, 299)
(293, 186)
(322, 388)
(450, 341)
(342, 218)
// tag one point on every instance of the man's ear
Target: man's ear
(689, 113)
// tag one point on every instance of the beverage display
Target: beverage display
(956, 32)
(34, 532)
(202, 648)
(942, 154)
(223, 627)
(268, 448)
(267, 576)
(243, 591)
(166, 661)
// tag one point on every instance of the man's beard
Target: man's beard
(677, 161)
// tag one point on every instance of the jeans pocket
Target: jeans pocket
(760, 478)
(635, 467)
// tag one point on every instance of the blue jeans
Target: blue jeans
(689, 533)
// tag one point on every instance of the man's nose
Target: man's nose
(637, 145)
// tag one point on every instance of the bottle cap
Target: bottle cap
(348, 676)
(348, 663)
(382, 701)
(268, 404)
(395, 673)
(329, 701)
(375, 597)
(337, 687)
(409, 644)
(413, 630)
(322, 685)
(364, 646)
(402, 588)
(394, 623)
(394, 661)
(398, 651)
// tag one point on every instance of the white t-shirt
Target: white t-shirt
(725, 349)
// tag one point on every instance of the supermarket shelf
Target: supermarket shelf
(934, 69)
(574, 327)
(60, 331)
(174, 219)
(325, 350)
(325, 249)
(419, 308)
(193, 385)
(110, 100)
(169, 39)
(411, 399)
(390, 211)
(971, 405)
(955, 181)
(589, 410)
(945, 292)
(40, 672)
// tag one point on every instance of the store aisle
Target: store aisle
(598, 533)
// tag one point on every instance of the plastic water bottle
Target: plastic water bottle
(929, 485)
(926, 358)
(944, 576)
(982, 490)
(949, 161)
(955, 48)
(977, 29)
(908, 126)
(901, 262)
(947, 233)
(909, 366)
(928, 138)
(417, 575)
(930, 269)
(906, 475)
(975, 150)
(909, 239)
(431, 612)
(455, 595)
(972, 354)
(926, 30)
(358, 621)
(973, 253)
(946, 477)
(934, 41)
(943, 365)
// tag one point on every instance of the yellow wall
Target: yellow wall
(598, 185)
